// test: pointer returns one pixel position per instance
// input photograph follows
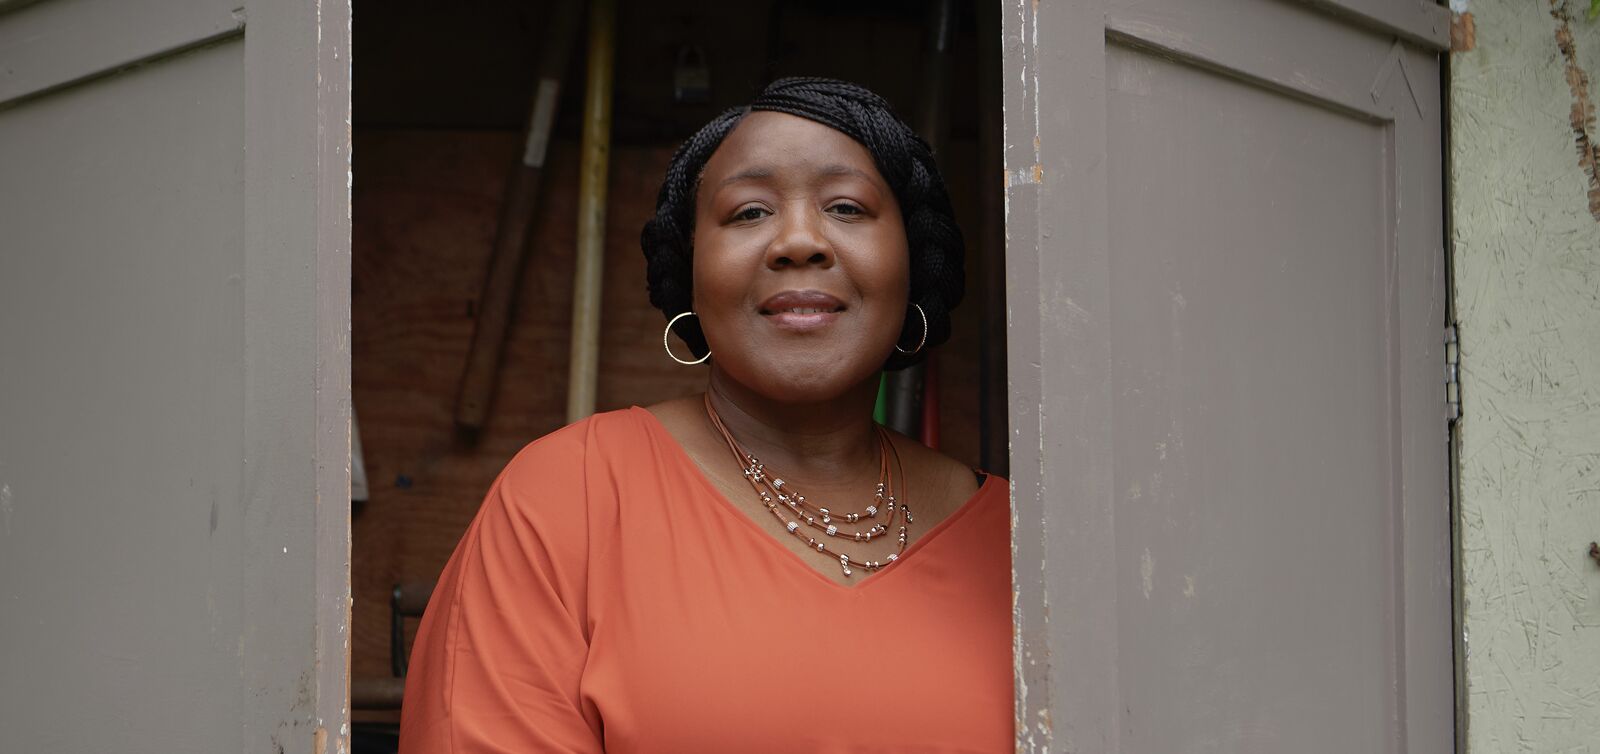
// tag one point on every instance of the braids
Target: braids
(902, 158)
(668, 237)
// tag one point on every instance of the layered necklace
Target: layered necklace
(801, 517)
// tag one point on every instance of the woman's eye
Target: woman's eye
(845, 209)
(750, 213)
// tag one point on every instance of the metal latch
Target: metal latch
(1452, 368)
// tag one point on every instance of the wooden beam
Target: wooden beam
(47, 45)
(1418, 21)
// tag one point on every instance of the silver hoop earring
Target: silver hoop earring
(924, 340)
(668, 332)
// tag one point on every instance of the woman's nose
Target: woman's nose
(800, 241)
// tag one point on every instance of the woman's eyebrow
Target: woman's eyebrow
(841, 169)
(830, 170)
(748, 174)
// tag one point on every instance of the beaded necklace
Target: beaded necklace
(781, 500)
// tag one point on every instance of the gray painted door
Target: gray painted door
(1226, 275)
(174, 375)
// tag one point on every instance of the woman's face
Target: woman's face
(801, 270)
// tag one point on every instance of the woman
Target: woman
(761, 568)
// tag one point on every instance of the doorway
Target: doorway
(442, 102)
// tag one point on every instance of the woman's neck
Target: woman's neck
(833, 439)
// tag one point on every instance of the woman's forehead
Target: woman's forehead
(771, 141)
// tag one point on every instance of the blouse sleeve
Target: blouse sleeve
(498, 659)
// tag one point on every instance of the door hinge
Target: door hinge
(1452, 369)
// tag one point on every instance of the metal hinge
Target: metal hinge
(1452, 369)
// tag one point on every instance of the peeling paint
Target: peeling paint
(1021, 176)
(1582, 116)
(6, 508)
(1463, 32)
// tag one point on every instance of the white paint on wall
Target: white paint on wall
(1527, 273)
(1147, 572)
(6, 507)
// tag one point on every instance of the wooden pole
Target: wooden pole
(585, 361)
(498, 301)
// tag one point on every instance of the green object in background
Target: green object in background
(880, 411)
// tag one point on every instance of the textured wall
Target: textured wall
(1527, 265)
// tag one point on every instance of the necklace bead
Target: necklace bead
(767, 486)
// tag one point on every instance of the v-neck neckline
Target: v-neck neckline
(721, 500)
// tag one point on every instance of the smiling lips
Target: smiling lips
(802, 310)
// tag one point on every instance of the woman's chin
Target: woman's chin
(804, 378)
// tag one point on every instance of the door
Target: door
(1226, 273)
(174, 375)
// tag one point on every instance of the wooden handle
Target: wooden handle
(497, 303)
(379, 692)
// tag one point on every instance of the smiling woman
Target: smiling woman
(792, 215)
(761, 567)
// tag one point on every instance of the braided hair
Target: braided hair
(903, 159)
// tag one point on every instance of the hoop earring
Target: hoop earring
(668, 346)
(924, 340)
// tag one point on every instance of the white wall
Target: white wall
(1527, 268)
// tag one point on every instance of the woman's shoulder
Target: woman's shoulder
(561, 484)
(562, 455)
(595, 432)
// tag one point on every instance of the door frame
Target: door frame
(293, 576)
(298, 179)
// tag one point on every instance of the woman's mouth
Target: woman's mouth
(803, 320)
(802, 311)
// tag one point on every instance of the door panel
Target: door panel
(122, 387)
(174, 376)
(1226, 233)
(1252, 513)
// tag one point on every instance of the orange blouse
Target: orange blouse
(608, 598)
